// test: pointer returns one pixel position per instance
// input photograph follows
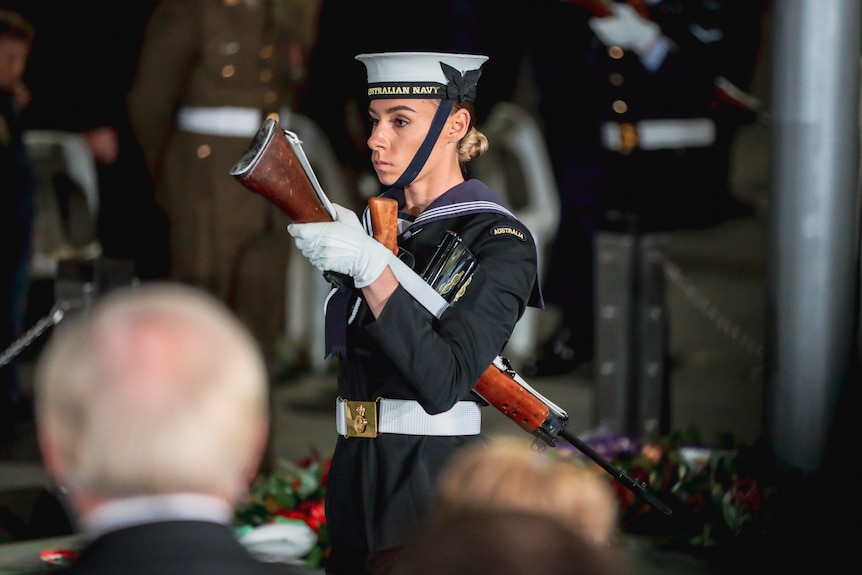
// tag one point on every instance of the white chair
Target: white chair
(66, 199)
(517, 167)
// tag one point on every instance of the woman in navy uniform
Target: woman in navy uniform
(421, 365)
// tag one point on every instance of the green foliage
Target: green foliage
(295, 490)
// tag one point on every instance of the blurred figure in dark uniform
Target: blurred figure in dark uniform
(639, 135)
(80, 73)
(16, 211)
(210, 72)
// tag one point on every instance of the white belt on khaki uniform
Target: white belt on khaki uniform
(224, 121)
(371, 418)
(658, 134)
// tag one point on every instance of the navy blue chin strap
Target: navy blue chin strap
(424, 151)
(459, 87)
(339, 302)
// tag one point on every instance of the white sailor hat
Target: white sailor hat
(422, 75)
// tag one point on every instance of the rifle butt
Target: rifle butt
(270, 168)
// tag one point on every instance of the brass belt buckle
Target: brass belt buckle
(361, 418)
(628, 137)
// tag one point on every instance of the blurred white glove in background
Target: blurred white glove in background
(342, 246)
(626, 29)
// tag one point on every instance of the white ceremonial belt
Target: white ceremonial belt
(223, 121)
(404, 416)
(658, 134)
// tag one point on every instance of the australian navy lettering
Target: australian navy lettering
(406, 90)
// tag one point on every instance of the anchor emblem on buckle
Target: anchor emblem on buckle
(359, 420)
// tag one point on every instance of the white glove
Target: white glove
(626, 29)
(342, 246)
(347, 217)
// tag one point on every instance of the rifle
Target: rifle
(502, 387)
(275, 167)
(498, 386)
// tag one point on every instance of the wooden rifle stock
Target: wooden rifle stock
(384, 221)
(497, 386)
(512, 399)
(271, 168)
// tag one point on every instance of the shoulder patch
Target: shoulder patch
(508, 231)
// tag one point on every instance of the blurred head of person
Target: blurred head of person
(508, 472)
(158, 389)
(422, 114)
(505, 541)
(16, 41)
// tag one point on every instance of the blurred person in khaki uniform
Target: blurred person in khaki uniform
(210, 72)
